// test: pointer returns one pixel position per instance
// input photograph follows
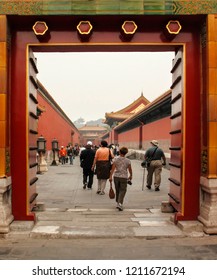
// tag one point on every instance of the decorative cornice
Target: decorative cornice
(107, 7)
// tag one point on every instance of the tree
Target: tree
(79, 122)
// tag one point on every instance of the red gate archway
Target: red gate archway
(108, 36)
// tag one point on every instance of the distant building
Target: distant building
(91, 133)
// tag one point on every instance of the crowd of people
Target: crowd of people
(109, 163)
(67, 154)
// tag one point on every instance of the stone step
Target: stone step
(20, 226)
(86, 223)
(119, 231)
(101, 223)
(81, 232)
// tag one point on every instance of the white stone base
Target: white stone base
(190, 226)
(6, 216)
(43, 165)
(43, 168)
(208, 205)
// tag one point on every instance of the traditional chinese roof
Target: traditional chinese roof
(149, 112)
(117, 117)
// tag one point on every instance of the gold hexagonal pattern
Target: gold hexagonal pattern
(40, 28)
(127, 24)
(173, 27)
(84, 27)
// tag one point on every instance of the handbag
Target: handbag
(146, 163)
(111, 192)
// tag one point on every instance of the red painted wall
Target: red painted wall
(129, 138)
(158, 130)
(52, 125)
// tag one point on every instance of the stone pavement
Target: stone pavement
(73, 223)
(69, 211)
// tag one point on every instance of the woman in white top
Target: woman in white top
(122, 171)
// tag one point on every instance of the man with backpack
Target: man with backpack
(156, 158)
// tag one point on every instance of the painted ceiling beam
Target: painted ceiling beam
(107, 7)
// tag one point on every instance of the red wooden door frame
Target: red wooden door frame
(66, 39)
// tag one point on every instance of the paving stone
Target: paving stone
(158, 231)
(72, 212)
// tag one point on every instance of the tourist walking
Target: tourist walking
(70, 153)
(157, 158)
(102, 162)
(122, 171)
(86, 161)
(62, 155)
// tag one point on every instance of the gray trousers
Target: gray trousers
(120, 189)
(101, 185)
(155, 169)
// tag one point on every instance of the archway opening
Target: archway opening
(103, 82)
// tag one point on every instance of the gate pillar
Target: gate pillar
(5, 179)
(208, 180)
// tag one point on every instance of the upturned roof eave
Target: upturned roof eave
(145, 110)
(132, 105)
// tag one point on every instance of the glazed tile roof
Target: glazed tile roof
(141, 112)
(123, 114)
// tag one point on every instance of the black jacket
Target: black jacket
(87, 158)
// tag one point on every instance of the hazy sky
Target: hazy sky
(88, 85)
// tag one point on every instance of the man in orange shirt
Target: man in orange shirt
(62, 155)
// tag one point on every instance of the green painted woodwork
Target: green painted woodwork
(107, 7)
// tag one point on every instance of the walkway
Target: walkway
(69, 211)
(78, 224)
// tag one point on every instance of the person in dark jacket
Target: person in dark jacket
(86, 161)
(70, 153)
(155, 168)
